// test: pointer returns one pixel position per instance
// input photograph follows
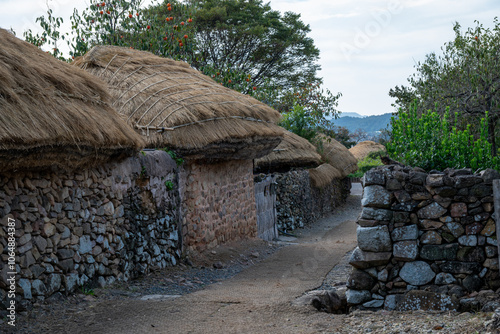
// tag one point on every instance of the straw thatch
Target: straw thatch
(178, 107)
(293, 151)
(52, 113)
(323, 175)
(362, 149)
(337, 155)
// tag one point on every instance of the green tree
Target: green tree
(250, 37)
(465, 77)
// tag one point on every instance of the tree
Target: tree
(465, 77)
(250, 37)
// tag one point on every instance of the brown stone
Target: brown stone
(473, 228)
(458, 210)
(431, 238)
(427, 224)
(489, 229)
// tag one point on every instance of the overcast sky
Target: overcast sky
(367, 46)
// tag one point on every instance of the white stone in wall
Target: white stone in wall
(376, 196)
(417, 273)
(374, 239)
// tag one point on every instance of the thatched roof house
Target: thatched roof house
(362, 149)
(323, 175)
(175, 106)
(337, 155)
(293, 151)
(52, 113)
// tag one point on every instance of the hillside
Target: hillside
(371, 124)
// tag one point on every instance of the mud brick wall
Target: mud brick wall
(425, 240)
(218, 203)
(89, 227)
(299, 204)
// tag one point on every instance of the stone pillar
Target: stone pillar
(496, 200)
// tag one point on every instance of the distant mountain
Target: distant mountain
(371, 124)
(351, 114)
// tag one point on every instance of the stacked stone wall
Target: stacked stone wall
(425, 240)
(299, 204)
(89, 227)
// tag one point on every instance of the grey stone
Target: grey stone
(360, 280)
(376, 196)
(465, 181)
(64, 253)
(373, 176)
(445, 191)
(401, 217)
(392, 301)
(66, 233)
(109, 209)
(405, 250)
(431, 211)
(376, 303)
(374, 239)
(417, 273)
(434, 180)
(362, 260)
(376, 214)
(418, 177)
(439, 252)
(481, 190)
(70, 282)
(40, 243)
(488, 175)
(455, 229)
(383, 275)
(85, 245)
(458, 267)
(427, 300)
(491, 263)
(431, 238)
(67, 265)
(468, 240)
(38, 288)
(409, 232)
(53, 283)
(472, 283)
(445, 278)
(25, 286)
(491, 306)
(355, 297)
(37, 270)
(469, 305)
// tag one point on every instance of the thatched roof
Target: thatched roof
(52, 113)
(178, 107)
(337, 155)
(293, 151)
(323, 175)
(362, 149)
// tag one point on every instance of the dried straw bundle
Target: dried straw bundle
(323, 175)
(52, 113)
(337, 155)
(362, 149)
(293, 151)
(178, 107)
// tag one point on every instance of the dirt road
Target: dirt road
(257, 300)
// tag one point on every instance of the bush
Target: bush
(430, 142)
(371, 161)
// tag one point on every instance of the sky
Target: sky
(366, 47)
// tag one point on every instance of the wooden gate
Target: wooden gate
(265, 199)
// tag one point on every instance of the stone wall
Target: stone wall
(299, 204)
(425, 240)
(92, 226)
(218, 203)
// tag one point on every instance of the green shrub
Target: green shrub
(430, 142)
(371, 161)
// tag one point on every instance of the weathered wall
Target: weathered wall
(218, 203)
(299, 204)
(97, 225)
(421, 231)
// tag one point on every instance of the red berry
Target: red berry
(108, 12)
(167, 19)
(136, 14)
(168, 4)
(103, 4)
(190, 20)
(101, 12)
(229, 81)
(130, 15)
(148, 27)
(169, 8)
(247, 80)
(180, 44)
(185, 36)
(171, 18)
(254, 88)
(182, 23)
(165, 38)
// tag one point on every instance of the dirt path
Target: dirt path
(257, 300)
